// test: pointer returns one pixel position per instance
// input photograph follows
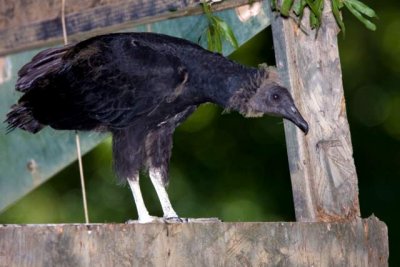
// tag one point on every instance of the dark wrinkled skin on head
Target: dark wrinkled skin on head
(276, 101)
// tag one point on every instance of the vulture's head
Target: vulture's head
(264, 95)
(273, 99)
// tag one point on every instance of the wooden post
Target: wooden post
(359, 243)
(323, 174)
(34, 24)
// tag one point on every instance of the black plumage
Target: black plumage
(139, 87)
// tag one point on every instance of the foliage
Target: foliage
(360, 10)
(217, 30)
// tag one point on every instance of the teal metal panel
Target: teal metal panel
(27, 160)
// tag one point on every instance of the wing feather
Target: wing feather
(127, 80)
(103, 82)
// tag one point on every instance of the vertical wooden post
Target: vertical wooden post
(323, 174)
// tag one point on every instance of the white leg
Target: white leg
(156, 179)
(143, 214)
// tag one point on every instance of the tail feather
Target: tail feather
(31, 77)
(20, 116)
(41, 65)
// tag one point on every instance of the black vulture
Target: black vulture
(140, 87)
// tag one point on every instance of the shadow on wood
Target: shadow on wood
(357, 243)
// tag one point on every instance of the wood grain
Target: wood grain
(30, 24)
(323, 173)
(361, 243)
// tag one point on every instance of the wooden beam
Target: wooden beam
(323, 173)
(361, 243)
(30, 24)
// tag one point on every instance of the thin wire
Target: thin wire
(77, 139)
(64, 26)
(78, 150)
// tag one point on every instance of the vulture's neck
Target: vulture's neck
(231, 87)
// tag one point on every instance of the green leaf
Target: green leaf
(273, 5)
(210, 40)
(337, 15)
(313, 8)
(371, 26)
(206, 9)
(356, 7)
(314, 22)
(285, 7)
(362, 8)
(217, 31)
(227, 32)
(214, 37)
(319, 6)
(218, 40)
(298, 8)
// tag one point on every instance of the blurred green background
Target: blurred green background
(236, 169)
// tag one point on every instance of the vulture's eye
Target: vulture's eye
(275, 97)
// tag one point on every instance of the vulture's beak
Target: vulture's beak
(294, 116)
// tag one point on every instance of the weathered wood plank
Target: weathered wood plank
(323, 174)
(360, 243)
(27, 25)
